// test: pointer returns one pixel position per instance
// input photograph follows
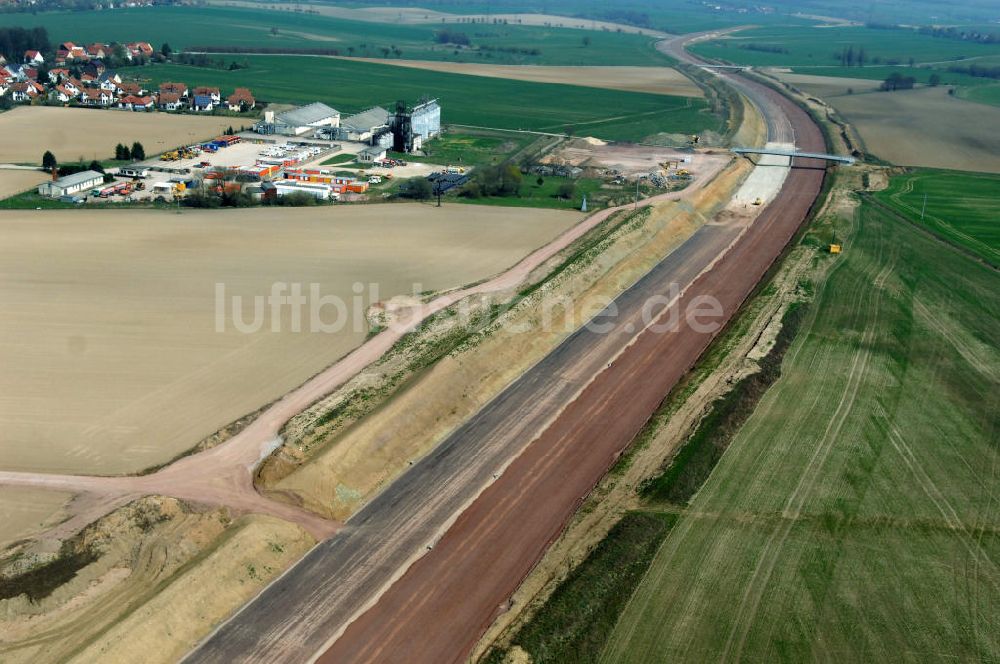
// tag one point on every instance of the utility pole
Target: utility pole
(636, 192)
(924, 208)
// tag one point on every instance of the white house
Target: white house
(71, 184)
(212, 93)
(33, 58)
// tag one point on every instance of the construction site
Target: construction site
(379, 388)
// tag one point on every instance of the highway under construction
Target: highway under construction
(420, 572)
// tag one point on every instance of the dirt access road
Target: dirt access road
(419, 573)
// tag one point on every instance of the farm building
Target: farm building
(71, 184)
(299, 121)
(363, 126)
(411, 127)
(372, 153)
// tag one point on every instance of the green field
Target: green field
(351, 86)
(854, 516)
(471, 148)
(963, 208)
(817, 47)
(984, 94)
(545, 195)
(186, 27)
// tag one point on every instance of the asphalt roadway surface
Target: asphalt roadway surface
(587, 400)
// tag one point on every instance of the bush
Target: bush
(418, 188)
(502, 180)
(566, 190)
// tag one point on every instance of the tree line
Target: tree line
(15, 41)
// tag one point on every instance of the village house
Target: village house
(33, 58)
(140, 49)
(74, 86)
(58, 75)
(212, 93)
(96, 97)
(130, 88)
(25, 91)
(97, 51)
(241, 100)
(61, 94)
(179, 89)
(30, 73)
(109, 81)
(169, 101)
(135, 103)
(202, 103)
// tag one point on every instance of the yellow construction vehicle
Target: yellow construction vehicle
(834, 248)
(169, 156)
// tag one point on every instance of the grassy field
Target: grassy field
(111, 314)
(818, 47)
(960, 207)
(854, 516)
(472, 100)
(471, 148)
(190, 27)
(984, 94)
(545, 195)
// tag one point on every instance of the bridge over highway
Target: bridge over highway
(795, 153)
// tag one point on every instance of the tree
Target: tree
(49, 161)
(896, 81)
(165, 50)
(95, 166)
(540, 181)
(934, 80)
(274, 31)
(122, 153)
(138, 152)
(567, 190)
(586, 41)
(418, 188)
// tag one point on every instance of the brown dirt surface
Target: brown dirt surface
(157, 558)
(118, 310)
(632, 159)
(656, 80)
(925, 127)
(80, 133)
(15, 181)
(826, 87)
